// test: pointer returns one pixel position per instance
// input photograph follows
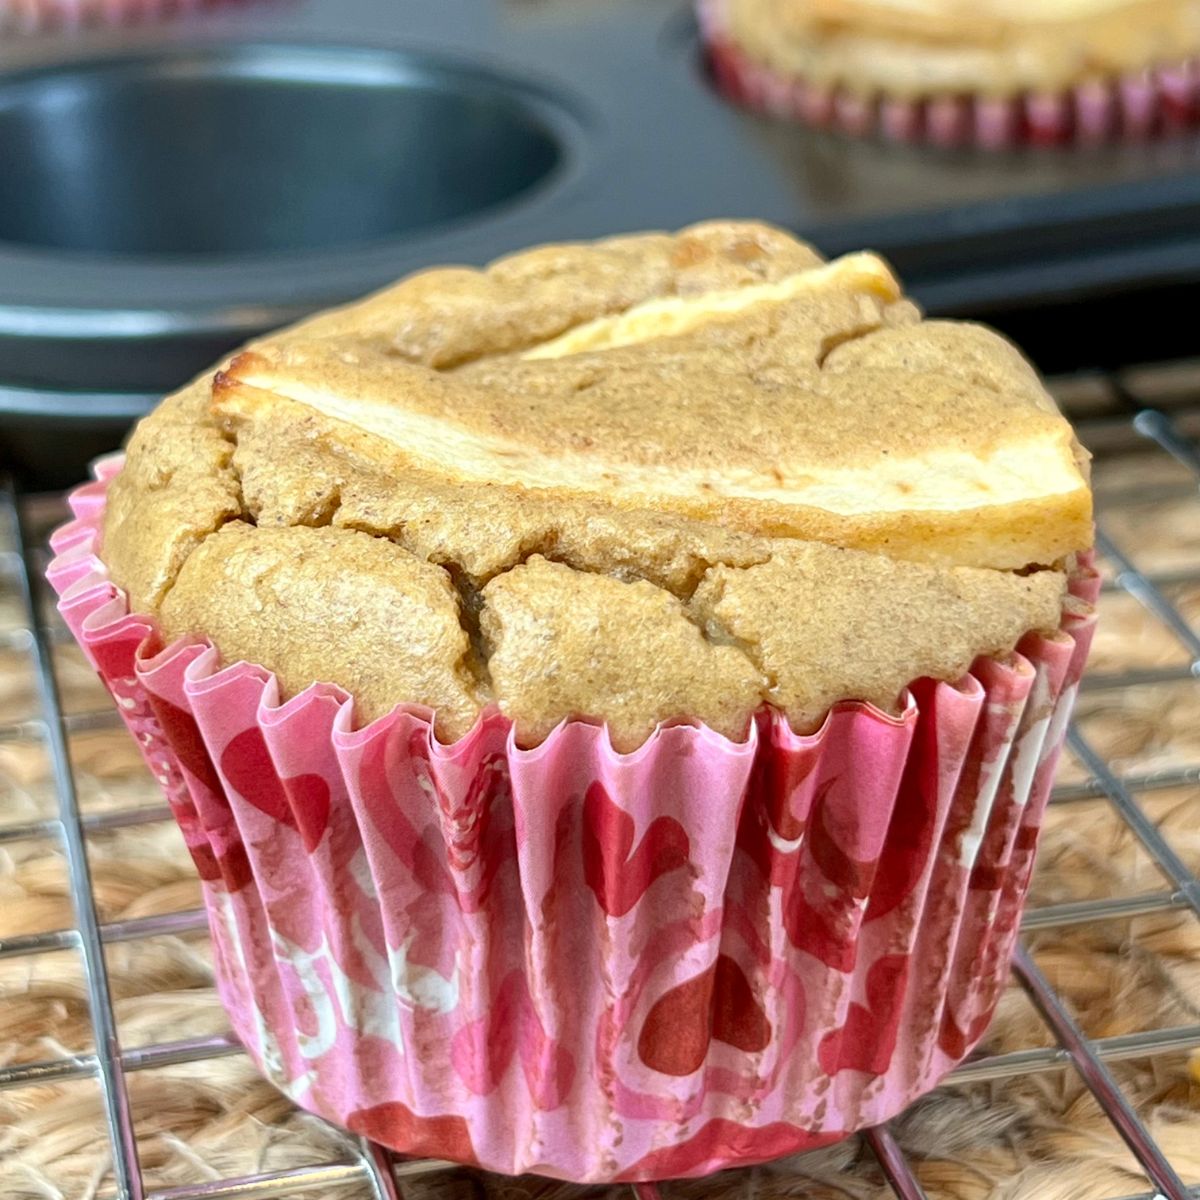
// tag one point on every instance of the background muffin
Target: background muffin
(32, 15)
(952, 72)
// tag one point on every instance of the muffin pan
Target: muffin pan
(170, 190)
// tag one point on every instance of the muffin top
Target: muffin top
(653, 478)
(916, 48)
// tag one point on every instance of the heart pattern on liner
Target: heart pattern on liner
(393, 1123)
(619, 873)
(717, 1005)
(216, 848)
(299, 801)
(868, 1039)
(483, 1049)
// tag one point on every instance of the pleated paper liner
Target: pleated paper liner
(1132, 107)
(592, 965)
(37, 16)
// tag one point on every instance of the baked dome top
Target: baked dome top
(931, 47)
(650, 478)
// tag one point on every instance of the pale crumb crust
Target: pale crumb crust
(329, 551)
(328, 604)
(925, 48)
(919, 621)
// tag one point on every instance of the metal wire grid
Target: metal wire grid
(1134, 423)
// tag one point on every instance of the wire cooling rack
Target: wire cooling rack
(1131, 415)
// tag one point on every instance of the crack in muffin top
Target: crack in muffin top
(625, 461)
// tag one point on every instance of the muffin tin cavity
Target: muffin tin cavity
(235, 151)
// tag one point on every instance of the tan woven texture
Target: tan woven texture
(1037, 1137)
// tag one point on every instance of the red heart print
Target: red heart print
(776, 778)
(779, 773)
(955, 1041)
(847, 873)
(867, 1041)
(395, 1125)
(675, 1036)
(813, 931)
(807, 928)
(823, 930)
(827, 930)
(471, 841)
(247, 765)
(183, 736)
(909, 842)
(618, 874)
(300, 802)
(205, 861)
(116, 658)
(377, 775)
(482, 1050)
(969, 1008)
(723, 1143)
(309, 796)
(738, 1018)
(718, 1003)
(230, 864)
(458, 848)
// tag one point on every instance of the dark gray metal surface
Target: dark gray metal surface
(233, 169)
(244, 151)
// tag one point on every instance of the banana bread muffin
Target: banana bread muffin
(610, 698)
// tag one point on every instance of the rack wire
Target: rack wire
(1128, 419)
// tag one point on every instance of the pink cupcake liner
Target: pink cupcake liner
(585, 964)
(33, 16)
(1133, 107)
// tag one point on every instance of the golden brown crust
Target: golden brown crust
(812, 418)
(661, 417)
(451, 315)
(916, 48)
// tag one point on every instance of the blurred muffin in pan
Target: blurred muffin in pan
(33, 16)
(990, 72)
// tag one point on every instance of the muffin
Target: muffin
(610, 697)
(992, 72)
